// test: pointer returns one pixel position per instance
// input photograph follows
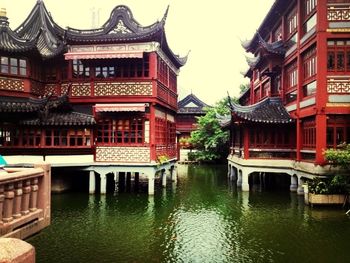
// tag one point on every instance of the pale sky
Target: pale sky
(211, 30)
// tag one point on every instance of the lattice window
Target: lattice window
(120, 131)
(338, 130)
(309, 8)
(338, 55)
(123, 68)
(61, 138)
(291, 82)
(309, 64)
(257, 93)
(292, 76)
(292, 23)
(163, 71)
(13, 66)
(172, 80)
(309, 134)
(80, 70)
(160, 131)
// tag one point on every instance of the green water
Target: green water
(201, 219)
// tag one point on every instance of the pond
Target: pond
(201, 218)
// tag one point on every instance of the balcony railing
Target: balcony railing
(24, 201)
(338, 85)
(338, 12)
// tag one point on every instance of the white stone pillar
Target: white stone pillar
(245, 182)
(306, 194)
(233, 174)
(300, 190)
(150, 184)
(116, 181)
(173, 174)
(103, 183)
(92, 182)
(163, 178)
(293, 183)
(229, 172)
(239, 180)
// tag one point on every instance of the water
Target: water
(202, 219)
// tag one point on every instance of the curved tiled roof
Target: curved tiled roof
(122, 27)
(14, 104)
(61, 119)
(40, 26)
(269, 110)
(278, 47)
(39, 32)
(273, 15)
(188, 100)
(10, 41)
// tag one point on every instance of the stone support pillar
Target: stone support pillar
(163, 175)
(300, 190)
(239, 179)
(245, 182)
(8, 204)
(92, 182)
(173, 174)
(103, 185)
(116, 181)
(150, 184)
(17, 204)
(293, 183)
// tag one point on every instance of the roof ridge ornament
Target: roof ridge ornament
(120, 28)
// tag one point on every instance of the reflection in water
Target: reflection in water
(201, 218)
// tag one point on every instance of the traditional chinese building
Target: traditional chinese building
(103, 99)
(298, 103)
(189, 108)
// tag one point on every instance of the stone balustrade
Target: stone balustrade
(25, 201)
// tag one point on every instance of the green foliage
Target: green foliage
(162, 159)
(337, 184)
(243, 88)
(339, 156)
(210, 139)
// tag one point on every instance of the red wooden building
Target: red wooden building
(98, 97)
(298, 103)
(189, 108)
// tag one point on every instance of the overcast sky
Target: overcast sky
(211, 30)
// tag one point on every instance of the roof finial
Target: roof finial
(165, 14)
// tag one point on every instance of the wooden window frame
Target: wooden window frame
(309, 134)
(121, 131)
(18, 66)
(336, 50)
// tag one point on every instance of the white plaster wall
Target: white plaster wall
(23, 159)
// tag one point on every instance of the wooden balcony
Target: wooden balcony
(24, 201)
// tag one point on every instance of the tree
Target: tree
(339, 156)
(210, 139)
(243, 88)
